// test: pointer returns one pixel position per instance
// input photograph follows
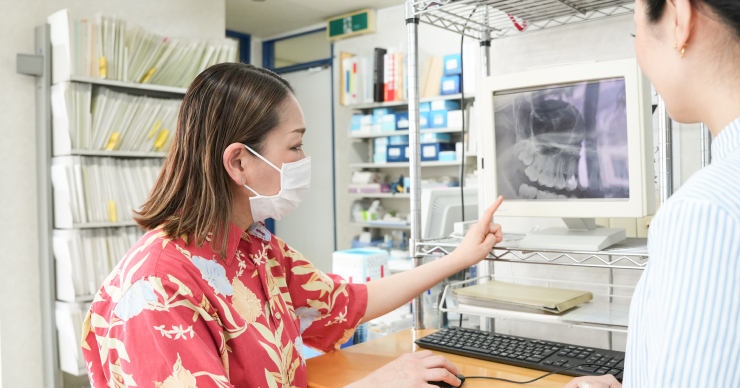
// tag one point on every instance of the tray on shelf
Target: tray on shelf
(631, 253)
(597, 314)
(503, 18)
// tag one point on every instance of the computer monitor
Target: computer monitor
(441, 208)
(571, 141)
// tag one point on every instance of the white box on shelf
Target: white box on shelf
(454, 119)
(360, 265)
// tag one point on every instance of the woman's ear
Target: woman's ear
(235, 161)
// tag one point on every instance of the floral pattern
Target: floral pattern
(214, 273)
(169, 317)
(134, 300)
(245, 302)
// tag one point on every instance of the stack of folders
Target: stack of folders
(69, 319)
(107, 47)
(101, 119)
(99, 189)
(521, 298)
(85, 257)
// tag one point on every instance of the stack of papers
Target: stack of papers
(69, 319)
(109, 48)
(85, 257)
(100, 189)
(98, 118)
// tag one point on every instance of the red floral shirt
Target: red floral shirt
(175, 315)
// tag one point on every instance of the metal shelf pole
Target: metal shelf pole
(665, 144)
(706, 146)
(484, 268)
(412, 31)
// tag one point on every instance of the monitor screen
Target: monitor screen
(563, 142)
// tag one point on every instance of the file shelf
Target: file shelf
(63, 307)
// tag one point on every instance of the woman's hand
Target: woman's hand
(481, 237)
(606, 381)
(412, 370)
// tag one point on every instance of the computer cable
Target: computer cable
(530, 381)
(462, 110)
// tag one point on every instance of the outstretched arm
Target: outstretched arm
(390, 293)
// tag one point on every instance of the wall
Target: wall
(603, 40)
(20, 315)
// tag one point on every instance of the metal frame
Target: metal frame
(490, 19)
(245, 44)
(268, 55)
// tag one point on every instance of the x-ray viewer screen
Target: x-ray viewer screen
(562, 142)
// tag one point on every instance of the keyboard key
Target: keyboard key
(557, 364)
(503, 354)
(533, 359)
(581, 357)
(547, 363)
(588, 369)
(580, 349)
(613, 372)
(602, 371)
(563, 353)
(477, 350)
(521, 358)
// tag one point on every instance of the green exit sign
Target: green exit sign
(351, 24)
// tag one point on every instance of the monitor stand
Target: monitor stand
(581, 234)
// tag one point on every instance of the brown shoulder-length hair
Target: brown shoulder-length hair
(226, 103)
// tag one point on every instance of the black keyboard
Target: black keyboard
(526, 352)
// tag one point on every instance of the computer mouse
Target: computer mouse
(443, 384)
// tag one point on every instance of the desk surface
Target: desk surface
(345, 366)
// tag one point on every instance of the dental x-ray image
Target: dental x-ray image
(563, 142)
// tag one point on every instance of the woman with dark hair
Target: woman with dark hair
(210, 298)
(684, 328)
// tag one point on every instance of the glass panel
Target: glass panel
(302, 49)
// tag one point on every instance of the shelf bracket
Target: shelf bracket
(29, 64)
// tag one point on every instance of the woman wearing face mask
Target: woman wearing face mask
(683, 329)
(208, 296)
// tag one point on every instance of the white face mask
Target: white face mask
(295, 180)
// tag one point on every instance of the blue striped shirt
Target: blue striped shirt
(684, 327)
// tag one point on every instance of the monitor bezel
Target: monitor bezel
(639, 139)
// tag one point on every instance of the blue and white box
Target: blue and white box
(380, 158)
(430, 151)
(356, 122)
(424, 119)
(425, 107)
(447, 156)
(452, 64)
(450, 85)
(366, 123)
(438, 119)
(436, 137)
(381, 145)
(402, 121)
(445, 105)
(388, 123)
(398, 140)
(398, 153)
(360, 265)
(378, 114)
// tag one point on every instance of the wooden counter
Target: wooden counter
(342, 367)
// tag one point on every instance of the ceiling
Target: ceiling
(271, 17)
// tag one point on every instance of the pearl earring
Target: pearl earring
(675, 44)
(242, 180)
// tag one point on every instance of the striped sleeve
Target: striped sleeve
(691, 320)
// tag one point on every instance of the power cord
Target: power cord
(533, 380)
(462, 109)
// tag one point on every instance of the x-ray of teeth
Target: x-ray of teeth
(563, 143)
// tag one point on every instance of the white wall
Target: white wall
(20, 345)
